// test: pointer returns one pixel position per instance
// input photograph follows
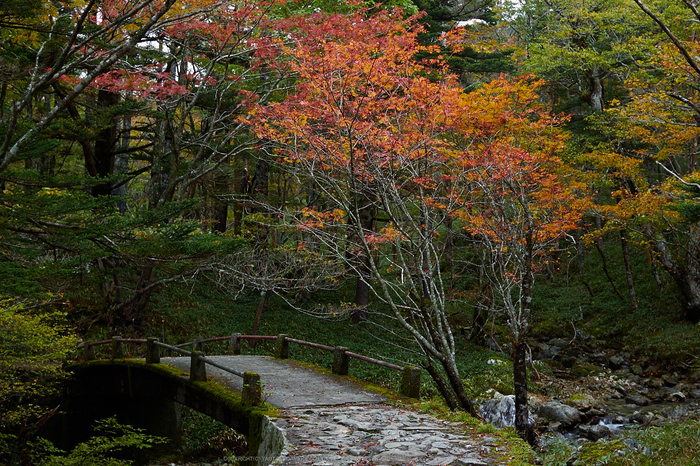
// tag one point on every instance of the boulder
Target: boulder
(582, 401)
(550, 352)
(500, 410)
(594, 433)
(694, 375)
(555, 411)
(669, 380)
(617, 361)
(639, 400)
(676, 397)
(654, 382)
(600, 358)
(583, 369)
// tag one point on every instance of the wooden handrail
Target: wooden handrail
(374, 361)
(178, 348)
(409, 386)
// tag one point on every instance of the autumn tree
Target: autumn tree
(522, 206)
(659, 118)
(363, 127)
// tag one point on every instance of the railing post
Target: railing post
(234, 346)
(341, 361)
(117, 350)
(152, 351)
(88, 351)
(410, 382)
(198, 368)
(282, 347)
(198, 345)
(251, 394)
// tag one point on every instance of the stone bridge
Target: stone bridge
(308, 417)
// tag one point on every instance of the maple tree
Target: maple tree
(363, 127)
(396, 157)
(523, 204)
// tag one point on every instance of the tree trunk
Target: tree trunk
(366, 212)
(686, 274)
(105, 144)
(522, 424)
(262, 304)
(442, 385)
(458, 386)
(628, 270)
(599, 247)
(596, 84)
(449, 251)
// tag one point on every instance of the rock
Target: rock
(695, 393)
(632, 444)
(616, 362)
(620, 389)
(677, 397)
(694, 375)
(584, 369)
(619, 419)
(582, 401)
(600, 358)
(595, 412)
(669, 380)
(500, 411)
(654, 382)
(636, 369)
(556, 411)
(558, 342)
(399, 457)
(470, 461)
(594, 433)
(678, 413)
(641, 418)
(638, 400)
(549, 353)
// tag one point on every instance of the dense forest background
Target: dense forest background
(472, 171)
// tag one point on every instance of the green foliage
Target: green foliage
(32, 348)
(204, 438)
(676, 444)
(111, 439)
(689, 204)
(556, 453)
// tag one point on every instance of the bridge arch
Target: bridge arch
(148, 395)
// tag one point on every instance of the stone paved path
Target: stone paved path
(378, 434)
(286, 384)
(329, 421)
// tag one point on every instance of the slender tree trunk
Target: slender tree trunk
(522, 424)
(105, 145)
(366, 213)
(599, 247)
(458, 386)
(628, 270)
(240, 179)
(442, 385)
(686, 274)
(596, 84)
(262, 304)
(449, 251)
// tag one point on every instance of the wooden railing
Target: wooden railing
(410, 381)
